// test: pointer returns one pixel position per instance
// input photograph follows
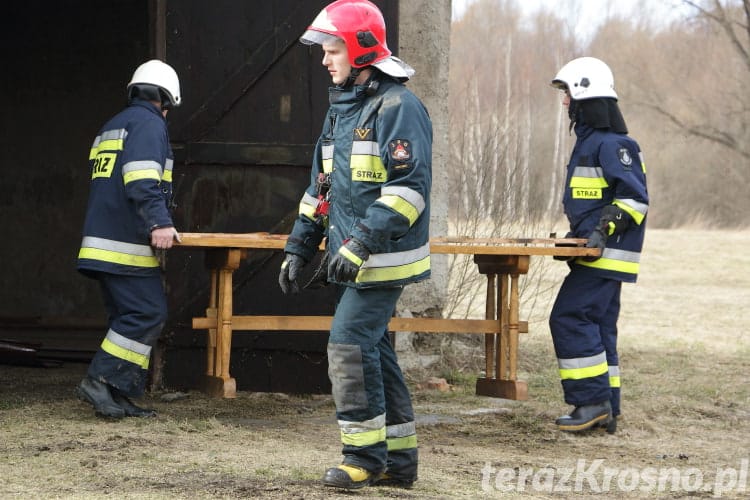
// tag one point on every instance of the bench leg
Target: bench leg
(219, 383)
(489, 339)
(211, 313)
(504, 346)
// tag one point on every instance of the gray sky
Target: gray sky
(591, 13)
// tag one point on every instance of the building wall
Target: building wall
(68, 76)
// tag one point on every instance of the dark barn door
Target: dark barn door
(253, 104)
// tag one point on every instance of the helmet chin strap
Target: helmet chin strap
(573, 109)
(353, 75)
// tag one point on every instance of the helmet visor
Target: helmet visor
(311, 37)
(559, 84)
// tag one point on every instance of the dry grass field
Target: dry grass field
(685, 353)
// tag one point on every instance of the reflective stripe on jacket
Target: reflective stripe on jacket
(378, 151)
(131, 187)
(607, 168)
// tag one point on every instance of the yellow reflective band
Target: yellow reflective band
(588, 182)
(350, 255)
(167, 177)
(635, 214)
(307, 206)
(307, 210)
(328, 166)
(393, 273)
(118, 257)
(366, 438)
(401, 206)
(585, 372)
(138, 175)
(109, 145)
(612, 265)
(614, 381)
(367, 168)
(122, 353)
(403, 443)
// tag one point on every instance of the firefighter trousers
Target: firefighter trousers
(137, 309)
(373, 404)
(583, 323)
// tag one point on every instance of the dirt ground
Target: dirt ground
(685, 351)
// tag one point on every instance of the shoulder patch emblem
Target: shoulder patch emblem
(400, 150)
(625, 157)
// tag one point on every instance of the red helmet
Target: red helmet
(359, 23)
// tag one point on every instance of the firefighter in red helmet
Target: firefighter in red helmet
(369, 196)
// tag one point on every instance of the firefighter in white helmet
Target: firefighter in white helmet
(127, 221)
(606, 201)
(369, 196)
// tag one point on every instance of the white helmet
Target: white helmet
(161, 75)
(586, 78)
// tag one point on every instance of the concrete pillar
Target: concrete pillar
(424, 43)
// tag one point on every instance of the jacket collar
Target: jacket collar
(146, 104)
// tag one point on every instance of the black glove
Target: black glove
(344, 266)
(290, 271)
(613, 221)
(597, 239)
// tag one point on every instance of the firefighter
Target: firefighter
(127, 221)
(369, 196)
(606, 201)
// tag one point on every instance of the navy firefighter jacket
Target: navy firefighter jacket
(376, 150)
(607, 168)
(131, 187)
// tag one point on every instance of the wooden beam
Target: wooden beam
(486, 246)
(323, 323)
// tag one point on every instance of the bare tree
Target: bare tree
(683, 90)
(506, 116)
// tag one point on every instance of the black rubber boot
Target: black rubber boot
(611, 426)
(98, 394)
(347, 476)
(387, 479)
(585, 417)
(131, 410)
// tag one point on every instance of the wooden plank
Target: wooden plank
(233, 240)
(437, 325)
(477, 246)
(470, 249)
(323, 323)
(466, 240)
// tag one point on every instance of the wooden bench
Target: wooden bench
(502, 260)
